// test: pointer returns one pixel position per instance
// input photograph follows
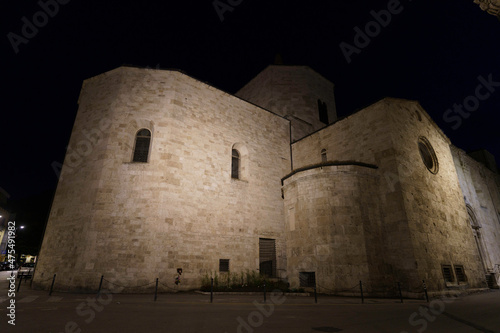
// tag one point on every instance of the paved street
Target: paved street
(36, 311)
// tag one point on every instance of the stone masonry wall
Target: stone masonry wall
(66, 234)
(333, 226)
(436, 214)
(182, 209)
(292, 92)
(365, 137)
(423, 215)
(481, 192)
(359, 204)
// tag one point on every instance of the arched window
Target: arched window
(323, 112)
(323, 155)
(472, 218)
(235, 164)
(141, 149)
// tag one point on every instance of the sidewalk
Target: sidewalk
(36, 311)
(27, 292)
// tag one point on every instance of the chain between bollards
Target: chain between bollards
(52, 285)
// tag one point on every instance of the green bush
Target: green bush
(205, 281)
(250, 281)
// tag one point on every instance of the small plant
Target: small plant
(234, 280)
(216, 280)
(249, 281)
(254, 278)
(206, 281)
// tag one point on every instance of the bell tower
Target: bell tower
(296, 93)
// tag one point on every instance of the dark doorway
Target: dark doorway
(267, 257)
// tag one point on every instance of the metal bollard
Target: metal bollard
(156, 289)
(400, 294)
(315, 296)
(52, 285)
(19, 283)
(361, 288)
(425, 291)
(100, 286)
(212, 290)
(264, 292)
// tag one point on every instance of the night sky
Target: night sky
(436, 52)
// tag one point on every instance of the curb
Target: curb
(251, 293)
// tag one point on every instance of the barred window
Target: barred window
(460, 273)
(307, 279)
(448, 273)
(142, 142)
(223, 265)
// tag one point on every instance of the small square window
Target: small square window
(223, 265)
(323, 155)
(307, 279)
(460, 273)
(448, 273)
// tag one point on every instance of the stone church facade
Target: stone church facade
(166, 172)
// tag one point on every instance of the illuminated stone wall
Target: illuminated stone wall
(292, 92)
(417, 220)
(332, 228)
(4, 221)
(134, 222)
(433, 201)
(481, 189)
(377, 196)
